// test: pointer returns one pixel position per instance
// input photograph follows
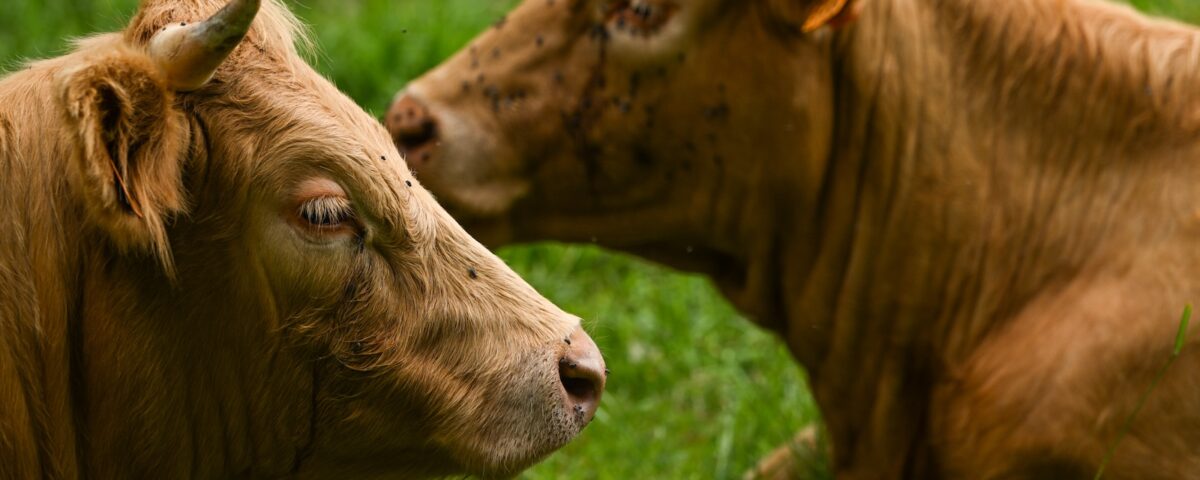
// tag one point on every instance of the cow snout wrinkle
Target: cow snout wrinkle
(583, 375)
(413, 129)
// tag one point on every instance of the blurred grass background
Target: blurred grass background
(696, 391)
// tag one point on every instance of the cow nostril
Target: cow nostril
(583, 384)
(582, 374)
(412, 126)
(581, 390)
(419, 135)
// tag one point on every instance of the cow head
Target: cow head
(271, 292)
(645, 125)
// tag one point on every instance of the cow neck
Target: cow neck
(978, 167)
(190, 383)
(209, 404)
(37, 261)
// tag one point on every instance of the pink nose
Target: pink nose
(583, 375)
(413, 129)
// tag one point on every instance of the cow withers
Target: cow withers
(215, 265)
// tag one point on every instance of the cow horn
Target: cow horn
(190, 54)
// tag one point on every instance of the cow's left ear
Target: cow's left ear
(130, 140)
(130, 147)
(811, 15)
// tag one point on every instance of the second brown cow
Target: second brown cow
(974, 222)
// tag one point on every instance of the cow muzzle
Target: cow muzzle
(583, 375)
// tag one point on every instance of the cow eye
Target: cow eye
(639, 17)
(326, 214)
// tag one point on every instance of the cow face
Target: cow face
(641, 124)
(282, 271)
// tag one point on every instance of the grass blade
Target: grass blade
(1180, 338)
(1183, 328)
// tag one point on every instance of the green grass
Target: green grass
(696, 391)
(1187, 10)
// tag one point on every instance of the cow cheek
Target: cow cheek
(423, 406)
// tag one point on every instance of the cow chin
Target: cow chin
(520, 426)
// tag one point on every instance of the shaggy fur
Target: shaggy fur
(169, 312)
(972, 221)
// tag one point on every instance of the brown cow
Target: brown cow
(238, 277)
(974, 222)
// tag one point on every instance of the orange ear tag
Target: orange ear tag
(834, 13)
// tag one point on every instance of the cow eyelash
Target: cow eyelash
(638, 16)
(326, 213)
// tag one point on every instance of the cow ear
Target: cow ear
(811, 15)
(129, 147)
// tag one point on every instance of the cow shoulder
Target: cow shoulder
(19, 452)
(18, 442)
(129, 144)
